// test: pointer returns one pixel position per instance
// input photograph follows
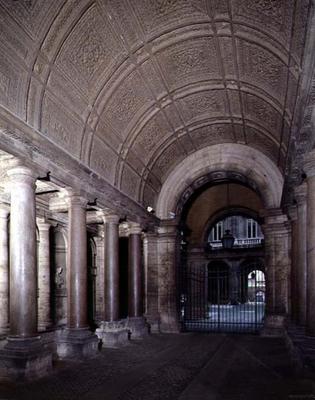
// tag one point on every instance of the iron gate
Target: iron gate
(222, 300)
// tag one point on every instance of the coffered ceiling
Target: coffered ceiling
(132, 87)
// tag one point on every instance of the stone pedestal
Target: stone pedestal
(76, 343)
(138, 327)
(274, 325)
(113, 334)
(24, 359)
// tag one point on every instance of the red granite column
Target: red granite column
(77, 341)
(24, 355)
(23, 268)
(112, 331)
(136, 321)
(135, 272)
(77, 259)
(111, 259)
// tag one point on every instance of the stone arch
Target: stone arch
(228, 156)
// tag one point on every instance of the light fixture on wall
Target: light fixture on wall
(227, 239)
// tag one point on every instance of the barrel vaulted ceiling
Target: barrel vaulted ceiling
(132, 87)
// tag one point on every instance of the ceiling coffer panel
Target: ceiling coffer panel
(130, 88)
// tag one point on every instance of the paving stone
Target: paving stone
(185, 366)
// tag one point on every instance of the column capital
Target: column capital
(75, 199)
(111, 219)
(4, 211)
(309, 163)
(292, 212)
(135, 228)
(21, 174)
(42, 224)
(300, 193)
(168, 227)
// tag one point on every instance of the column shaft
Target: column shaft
(23, 268)
(44, 315)
(135, 276)
(4, 271)
(77, 258)
(111, 259)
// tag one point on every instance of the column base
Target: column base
(24, 359)
(275, 325)
(154, 323)
(76, 343)
(138, 327)
(44, 327)
(113, 334)
(170, 325)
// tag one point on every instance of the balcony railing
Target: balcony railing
(217, 244)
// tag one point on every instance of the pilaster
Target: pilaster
(277, 233)
(309, 168)
(168, 241)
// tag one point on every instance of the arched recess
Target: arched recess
(59, 275)
(225, 212)
(246, 268)
(240, 158)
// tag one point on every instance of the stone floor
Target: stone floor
(188, 366)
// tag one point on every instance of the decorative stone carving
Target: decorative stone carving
(130, 182)
(103, 159)
(264, 113)
(169, 157)
(261, 67)
(189, 62)
(150, 135)
(90, 50)
(127, 102)
(156, 16)
(212, 134)
(262, 142)
(272, 14)
(205, 104)
(61, 126)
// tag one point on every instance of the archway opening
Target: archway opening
(222, 289)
